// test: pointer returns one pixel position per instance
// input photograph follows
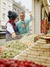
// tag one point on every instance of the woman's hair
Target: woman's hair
(12, 15)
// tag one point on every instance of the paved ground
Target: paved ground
(2, 41)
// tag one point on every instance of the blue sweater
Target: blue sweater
(26, 28)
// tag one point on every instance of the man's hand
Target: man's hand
(31, 15)
(23, 26)
(13, 35)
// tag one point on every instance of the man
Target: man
(23, 24)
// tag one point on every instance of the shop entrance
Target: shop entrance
(40, 10)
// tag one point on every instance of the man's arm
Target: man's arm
(30, 19)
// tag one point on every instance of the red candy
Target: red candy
(16, 63)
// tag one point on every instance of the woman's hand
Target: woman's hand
(13, 35)
(23, 26)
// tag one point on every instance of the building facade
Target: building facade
(6, 5)
(18, 8)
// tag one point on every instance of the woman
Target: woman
(11, 28)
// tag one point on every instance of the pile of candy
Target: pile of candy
(16, 63)
(11, 49)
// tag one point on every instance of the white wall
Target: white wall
(0, 13)
(0, 9)
(33, 21)
(37, 16)
(43, 10)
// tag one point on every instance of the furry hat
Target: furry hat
(12, 15)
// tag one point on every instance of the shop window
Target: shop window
(4, 9)
(9, 6)
(17, 11)
(14, 9)
(4, 4)
(8, 0)
(3, 15)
